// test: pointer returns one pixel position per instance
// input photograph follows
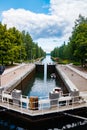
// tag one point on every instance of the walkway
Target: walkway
(77, 77)
(15, 74)
(81, 73)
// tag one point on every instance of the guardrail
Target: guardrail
(36, 106)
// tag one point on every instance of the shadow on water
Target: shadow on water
(58, 122)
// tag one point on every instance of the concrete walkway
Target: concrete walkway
(8, 70)
(83, 74)
(78, 78)
(13, 75)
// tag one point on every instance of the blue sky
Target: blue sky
(38, 6)
(49, 22)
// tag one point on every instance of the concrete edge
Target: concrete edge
(18, 79)
(69, 84)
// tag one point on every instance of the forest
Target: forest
(16, 46)
(76, 49)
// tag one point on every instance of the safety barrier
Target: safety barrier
(38, 106)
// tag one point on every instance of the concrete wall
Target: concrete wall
(21, 81)
(25, 80)
(67, 82)
(62, 84)
(40, 68)
(50, 68)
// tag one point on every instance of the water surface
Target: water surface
(41, 84)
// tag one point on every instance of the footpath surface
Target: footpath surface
(13, 74)
(77, 77)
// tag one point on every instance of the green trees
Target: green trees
(17, 50)
(16, 46)
(78, 40)
(5, 44)
(33, 51)
(10, 45)
(27, 43)
(60, 51)
(76, 49)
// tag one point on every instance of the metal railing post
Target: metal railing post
(72, 102)
(27, 103)
(21, 103)
(42, 107)
(8, 103)
(2, 95)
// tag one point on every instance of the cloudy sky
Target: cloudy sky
(49, 22)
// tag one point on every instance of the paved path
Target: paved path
(81, 73)
(78, 78)
(11, 75)
(8, 70)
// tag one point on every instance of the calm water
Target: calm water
(40, 85)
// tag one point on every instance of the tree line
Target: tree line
(16, 46)
(76, 48)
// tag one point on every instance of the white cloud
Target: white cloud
(45, 28)
(39, 25)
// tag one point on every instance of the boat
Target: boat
(57, 89)
(53, 75)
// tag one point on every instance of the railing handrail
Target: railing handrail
(40, 104)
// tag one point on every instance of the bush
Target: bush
(76, 63)
(63, 61)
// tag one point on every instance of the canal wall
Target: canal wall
(72, 89)
(21, 77)
(51, 68)
(39, 67)
(62, 84)
(25, 79)
(20, 80)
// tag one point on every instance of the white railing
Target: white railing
(24, 105)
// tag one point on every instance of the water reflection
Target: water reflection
(42, 82)
(45, 73)
(47, 60)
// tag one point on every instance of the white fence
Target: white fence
(36, 106)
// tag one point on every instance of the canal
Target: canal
(40, 85)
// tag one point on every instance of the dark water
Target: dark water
(40, 85)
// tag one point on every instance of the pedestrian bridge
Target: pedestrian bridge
(42, 106)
